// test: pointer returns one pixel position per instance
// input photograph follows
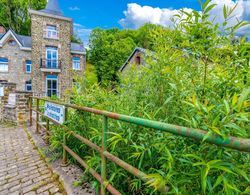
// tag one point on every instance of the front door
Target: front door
(51, 57)
(52, 86)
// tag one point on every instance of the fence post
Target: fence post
(37, 115)
(104, 148)
(65, 159)
(30, 107)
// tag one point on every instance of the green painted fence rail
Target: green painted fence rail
(197, 134)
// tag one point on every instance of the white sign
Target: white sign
(55, 112)
(1, 91)
(12, 99)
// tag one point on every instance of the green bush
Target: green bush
(196, 78)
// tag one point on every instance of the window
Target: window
(4, 67)
(51, 57)
(76, 63)
(12, 43)
(51, 32)
(51, 85)
(138, 60)
(28, 86)
(28, 66)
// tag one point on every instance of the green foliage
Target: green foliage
(76, 39)
(14, 14)
(197, 78)
(109, 49)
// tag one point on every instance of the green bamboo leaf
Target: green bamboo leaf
(218, 181)
(242, 98)
(205, 4)
(204, 173)
(242, 173)
(207, 136)
(225, 12)
(209, 8)
(227, 106)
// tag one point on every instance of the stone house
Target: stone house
(137, 58)
(46, 62)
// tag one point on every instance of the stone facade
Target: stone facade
(62, 42)
(39, 44)
(16, 64)
(136, 59)
(34, 48)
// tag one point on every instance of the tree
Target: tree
(14, 14)
(109, 50)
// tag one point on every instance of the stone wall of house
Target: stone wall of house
(17, 64)
(79, 73)
(39, 43)
(133, 62)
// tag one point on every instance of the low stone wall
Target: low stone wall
(7, 89)
(10, 114)
(14, 108)
(19, 113)
(23, 106)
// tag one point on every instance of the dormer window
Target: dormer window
(51, 32)
(12, 42)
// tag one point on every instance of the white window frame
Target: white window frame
(5, 64)
(76, 64)
(51, 33)
(51, 49)
(57, 85)
(28, 64)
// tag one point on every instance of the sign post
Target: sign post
(55, 112)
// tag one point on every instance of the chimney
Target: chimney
(2, 30)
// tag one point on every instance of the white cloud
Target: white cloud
(74, 8)
(78, 25)
(137, 15)
(82, 32)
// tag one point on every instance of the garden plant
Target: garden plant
(198, 77)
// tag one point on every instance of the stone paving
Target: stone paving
(22, 170)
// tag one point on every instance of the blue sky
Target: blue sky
(88, 15)
(106, 14)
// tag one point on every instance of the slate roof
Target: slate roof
(77, 47)
(26, 41)
(53, 8)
